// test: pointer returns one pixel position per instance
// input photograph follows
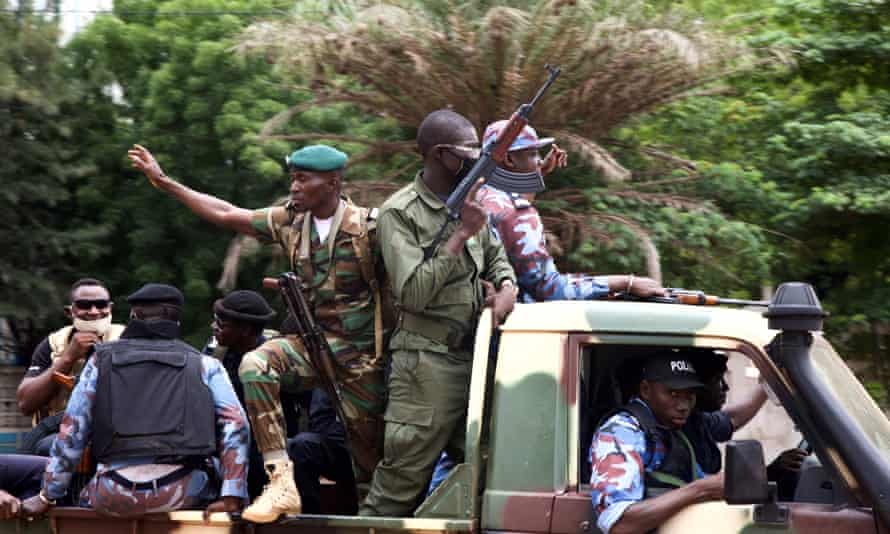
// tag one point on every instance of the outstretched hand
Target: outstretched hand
(143, 160)
(556, 158)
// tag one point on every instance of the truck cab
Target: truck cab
(545, 378)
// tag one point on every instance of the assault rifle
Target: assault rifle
(491, 156)
(291, 286)
(676, 295)
(321, 357)
(699, 298)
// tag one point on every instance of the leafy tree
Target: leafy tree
(183, 93)
(44, 237)
(620, 61)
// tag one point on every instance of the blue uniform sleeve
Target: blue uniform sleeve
(522, 232)
(75, 433)
(232, 429)
(618, 458)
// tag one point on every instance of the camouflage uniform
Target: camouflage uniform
(439, 299)
(345, 310)
(519, 227)
(620, 457)
(196, 489)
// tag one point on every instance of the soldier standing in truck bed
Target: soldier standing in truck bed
(439, 293)
(331, 242)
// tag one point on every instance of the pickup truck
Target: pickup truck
(542, 381)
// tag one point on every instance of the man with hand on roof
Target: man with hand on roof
(508, 198)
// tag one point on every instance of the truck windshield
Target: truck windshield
(854, 399)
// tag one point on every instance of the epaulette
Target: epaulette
(519, 202)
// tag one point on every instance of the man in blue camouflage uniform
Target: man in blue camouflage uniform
(518, 224)
(644, 468)
(136, 486)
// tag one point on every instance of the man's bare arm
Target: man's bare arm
(648, 514)
(35, 392)
(745, 409)
(210, 208)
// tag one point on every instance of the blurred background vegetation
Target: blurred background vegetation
(723, 145)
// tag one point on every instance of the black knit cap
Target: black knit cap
(157, 294)
(245, 306)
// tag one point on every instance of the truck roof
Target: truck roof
(628, 317)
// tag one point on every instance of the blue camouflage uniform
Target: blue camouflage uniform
(619, 459)
(194, 490)
(518, 225)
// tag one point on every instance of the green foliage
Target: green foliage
(198, 107)
(44, 237)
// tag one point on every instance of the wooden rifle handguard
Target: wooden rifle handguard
(63, 380)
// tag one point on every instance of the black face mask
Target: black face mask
(466, 165)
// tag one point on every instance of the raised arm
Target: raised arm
(36, 390)
(415, 281)
(208, 207)
(746, 408)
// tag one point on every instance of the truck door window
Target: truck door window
(610, 373)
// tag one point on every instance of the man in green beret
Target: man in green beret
(331, 242)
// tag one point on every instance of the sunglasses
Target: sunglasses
(86, 304)
(463, 151)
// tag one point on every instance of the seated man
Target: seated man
(154, 412)
(644, 468)
(64, 351)
(238, 324)
(712, 423)
(321, 452)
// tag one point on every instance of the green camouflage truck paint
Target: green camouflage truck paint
(522, 466)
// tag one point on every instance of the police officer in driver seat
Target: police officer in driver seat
(154, 411)
(644, 468)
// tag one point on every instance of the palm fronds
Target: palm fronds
(619, 61)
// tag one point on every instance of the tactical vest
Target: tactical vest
(678, 467)
(58, 342)
(151, 402)
(363, 243)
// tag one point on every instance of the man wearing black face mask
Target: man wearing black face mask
(439, 293)
(519, 226)
(65, 351)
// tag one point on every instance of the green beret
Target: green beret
(320, 158)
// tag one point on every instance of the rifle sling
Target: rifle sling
(305, 237)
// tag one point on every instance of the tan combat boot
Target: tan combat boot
(280, 496)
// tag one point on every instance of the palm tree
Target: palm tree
(620, 60)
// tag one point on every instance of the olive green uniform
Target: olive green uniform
(439, 301)
(344, 308)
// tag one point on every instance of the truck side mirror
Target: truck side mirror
(745, 476)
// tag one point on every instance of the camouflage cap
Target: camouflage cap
(319, 158)
(527, 138)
